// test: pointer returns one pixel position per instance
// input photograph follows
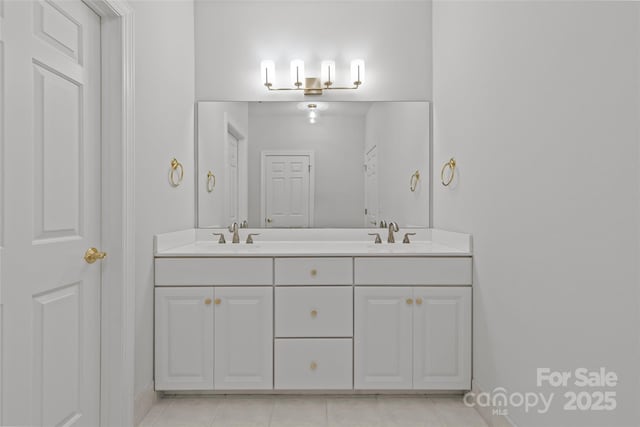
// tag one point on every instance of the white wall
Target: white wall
(538, 103)
(338, 144)
(164, 90)
(212, 155)
(400, 131)
(393, 37)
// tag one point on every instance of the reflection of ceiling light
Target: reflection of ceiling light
(312, 85)
(313, 114)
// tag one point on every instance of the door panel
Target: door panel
(51, 296)
(184, 338)
(371, 188)
(243, 338)
(382, 336)
(287, 191)
(442, 337)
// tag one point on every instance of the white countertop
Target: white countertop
(300, 243)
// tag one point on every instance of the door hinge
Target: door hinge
(365, 168)
(365, 211)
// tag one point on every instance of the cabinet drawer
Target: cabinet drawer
(314, 311)
(311, 364)
(413, 271)
(213, 271)
(314, 271)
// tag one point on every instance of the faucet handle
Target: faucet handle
(221, 239)
(250, 238)
(406, 237)
(378, 239)
(383, 224)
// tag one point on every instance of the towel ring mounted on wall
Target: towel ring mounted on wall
(211, 182)
(176, 169)
(413, 182)
(451, 164)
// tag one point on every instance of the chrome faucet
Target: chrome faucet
(392, 227)
(234, 229)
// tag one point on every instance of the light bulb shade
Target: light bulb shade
(328, 72)
(357, 71)
(297, 72)
(268, 72)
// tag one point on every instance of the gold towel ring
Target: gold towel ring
(211, 181)
(451, 164)
(413, 182)
(175, 165)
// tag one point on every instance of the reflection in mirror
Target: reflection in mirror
(312, 164)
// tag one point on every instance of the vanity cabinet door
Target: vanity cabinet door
(442, 338)
(243, 338)
(383, 337)
(184, 338)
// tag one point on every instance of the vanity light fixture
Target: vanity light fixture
(312, 85)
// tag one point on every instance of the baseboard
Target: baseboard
(491, 414)
(143, 403)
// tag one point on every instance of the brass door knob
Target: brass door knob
(217, 301)
(92, 255)
(409, 301)
(313, 366)
(207, 301)
(314, 272)
(314, 313)
(419, 301)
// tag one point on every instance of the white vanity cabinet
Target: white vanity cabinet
(416, 337)
(315, 322)
(184, 338)
(214, 338)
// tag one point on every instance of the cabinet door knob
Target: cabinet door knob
(313, 366)
(314, 313)
(314, 272)
(217, 301)
(207, 301)
(409, 301)
(419, 301)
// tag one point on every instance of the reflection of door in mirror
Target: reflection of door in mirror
(222, 149)
(371, 207)
(231, 202)
(287, 189)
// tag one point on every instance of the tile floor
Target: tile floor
(312, 411)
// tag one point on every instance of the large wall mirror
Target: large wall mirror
(312, 164)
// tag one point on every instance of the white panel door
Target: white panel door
(184, 338)
(51, 296)
(382, 334)
(442, 338)
(243, 338)
(371, 203)
(287, 191)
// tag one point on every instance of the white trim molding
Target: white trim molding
(118, 191)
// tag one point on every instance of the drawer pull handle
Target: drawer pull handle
(314, 313)
(314, 272)
(419, 301)
(313, 366)
(409, 301)
(207, 301)
(217, 301)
